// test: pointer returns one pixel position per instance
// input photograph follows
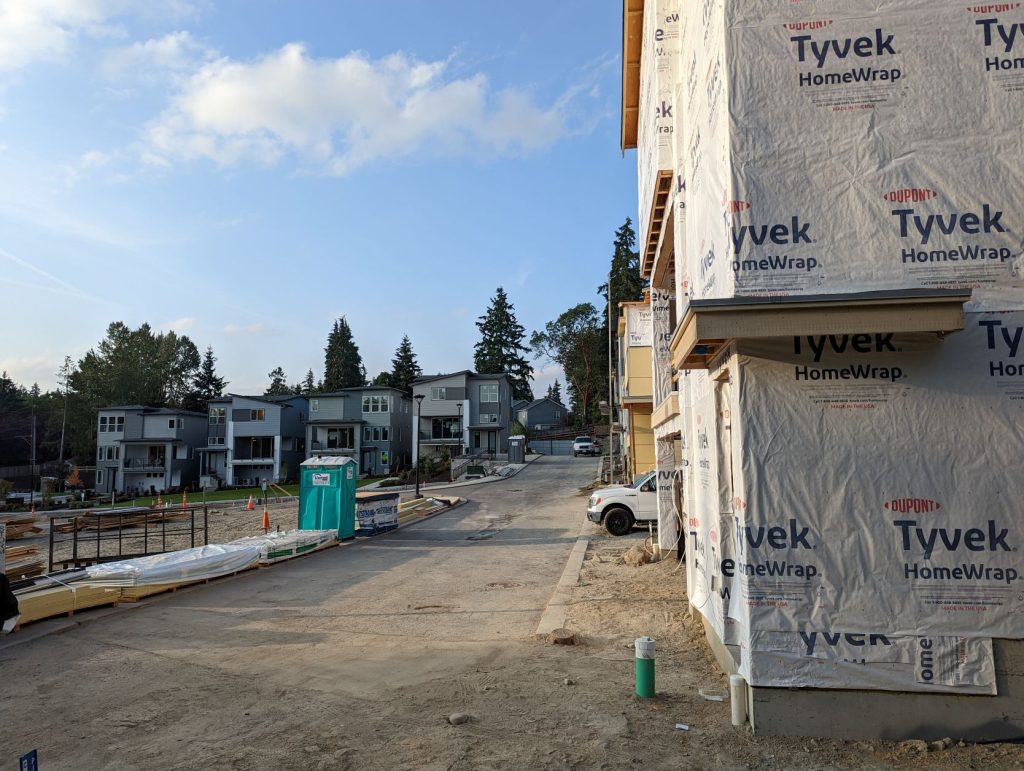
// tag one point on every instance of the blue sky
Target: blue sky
(245, 172)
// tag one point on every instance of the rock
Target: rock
(562, 636)
(568, 681)
(936, 746)
(458, 718)
(946, 743)
(915, 745)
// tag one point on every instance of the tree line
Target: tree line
(165, 369)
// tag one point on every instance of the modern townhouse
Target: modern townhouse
(464, 412)
(545, 414)
(371, 424)
(635, 387)
(254, 438)
(147, 449)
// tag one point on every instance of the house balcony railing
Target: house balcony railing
(145, 464)
(329, 447)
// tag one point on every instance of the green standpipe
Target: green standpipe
(644, 667)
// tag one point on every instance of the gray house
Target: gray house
(147, 449)
(543, 415)
(370, 424)
(255, 438)
(464, 412)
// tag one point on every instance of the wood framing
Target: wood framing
(655, 223)
(709, 325)
(632, 44)
(663, 270)
(668, 410)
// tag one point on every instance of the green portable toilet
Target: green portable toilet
(327, 495)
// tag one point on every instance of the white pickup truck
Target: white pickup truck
(619, 508)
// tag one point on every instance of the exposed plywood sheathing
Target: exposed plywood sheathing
(632, 40)
(709, 325)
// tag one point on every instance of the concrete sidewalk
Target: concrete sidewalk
(446, 485)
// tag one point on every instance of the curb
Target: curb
(557, 608)
(448, 485)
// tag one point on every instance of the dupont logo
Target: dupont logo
(912, 505)
(804, 26)
(993, 8)
(735, 207)
(910, 194)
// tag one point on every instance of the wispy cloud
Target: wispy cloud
(340, 114)
(157, 59)
(180, 325)
(52, 283)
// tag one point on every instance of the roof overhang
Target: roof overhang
(632, 46)
(663, 266)
(660, 209)
(711, 325)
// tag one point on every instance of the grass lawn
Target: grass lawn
(196, 499)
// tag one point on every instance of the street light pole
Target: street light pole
(419, 401)
(458, 406)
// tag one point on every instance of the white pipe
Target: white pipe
(738, 699)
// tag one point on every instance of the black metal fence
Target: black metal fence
(89, 539)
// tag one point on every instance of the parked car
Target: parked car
(619, 508)
(585, 445)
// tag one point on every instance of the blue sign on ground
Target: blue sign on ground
(29, 761)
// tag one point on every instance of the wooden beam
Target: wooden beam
(632, 47)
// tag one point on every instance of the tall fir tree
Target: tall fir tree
(308, 384)
(555, 391)
(627, 284)
(404, 369)
(343, 366)
(501, 346)
(206, 384)
(278, 383)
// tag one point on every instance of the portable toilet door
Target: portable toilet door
(517, 449)
(327, 495)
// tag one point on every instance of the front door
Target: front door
(366, 463)
(492, 441)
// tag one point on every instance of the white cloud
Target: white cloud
(180, 325)
(156, 59)
(93, 159)
(340, 114)
(44, 30)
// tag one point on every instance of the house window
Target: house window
(438, 394)
(376, 433)
(216, 440)
(99, 476)
(367, 433)
(340, 438)
(103, 424)
(488, 418)
(385, 434)
(445, 428)
(385, 458)
(217, 416)
(376, 403)
(314, 405)
(558, 414)
(489, 393)
(120, 423)
(261, 447)
(260, 414)
(170, 423)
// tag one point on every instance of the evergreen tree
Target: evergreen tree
(404, 368)
(555, 391)
(382, 379)
(206, 384)
(501, 348)
(343, 366)
(278, 383)
(308, 384)
(627, 283)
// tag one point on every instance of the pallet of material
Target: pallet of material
(23, 562)
(21, 526)
(136, 593)
(110, 521)
(37, 604)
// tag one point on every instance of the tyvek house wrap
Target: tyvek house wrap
(836, 147)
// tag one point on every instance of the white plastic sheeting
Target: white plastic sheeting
(274, 547)
(175, 567)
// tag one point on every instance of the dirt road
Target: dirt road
(355, 658)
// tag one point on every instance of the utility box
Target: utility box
(517, 449)
(327, 495)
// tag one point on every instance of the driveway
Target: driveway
(220, 673)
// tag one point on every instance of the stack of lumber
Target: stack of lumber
(418, 508)
(108, 521)
(35, 603)
(23, 562)
(21, 526)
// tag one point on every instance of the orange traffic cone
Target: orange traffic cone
(159, 501)
(250, 506)
(266, 521)
(184, 500)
